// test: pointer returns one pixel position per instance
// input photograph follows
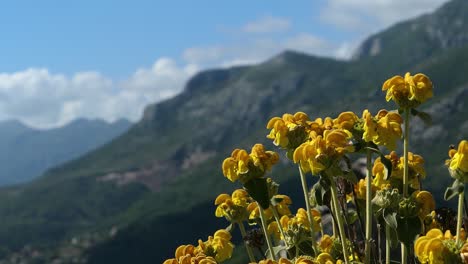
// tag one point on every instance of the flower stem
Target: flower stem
(404, 249)
(309, 212)
(339, 220)
(247, 247)
(280, 227)
(265, 232)
(405, 153)
(461, 197)
(368, 208)
(387, 244)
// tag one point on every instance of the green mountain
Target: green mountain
(26, 153)
(135, 199)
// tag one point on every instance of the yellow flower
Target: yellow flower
(301, 219)
(415, 168)
(254, 212)
(274, 229)
(242, 166)
(316, 155)
(379, 171)
(236, 164)
(420, 87)
(384, 129)
(389, 129)
(218, 246)
(270, 261)
(409, 91)
(263, 159)
(222, 245)
(282, 128)
(279, 132)
(326, 243)
(188, 254)
(307, 153)
(283, 206)
(360, 189)
(233, 208)
(459, 161)
(304, 260)
(426, 203)
(370, 126)
(325, 258)
(396, 88)
(345, 120)
(437, 247)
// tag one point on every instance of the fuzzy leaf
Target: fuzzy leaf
(390, 218)
(407, 229)
(258, 190)
(388, 165)
(454, 190)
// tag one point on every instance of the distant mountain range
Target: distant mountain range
(135, 199)
(26, 153)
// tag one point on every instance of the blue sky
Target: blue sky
(60, 60)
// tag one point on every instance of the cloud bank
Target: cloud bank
(43, 99)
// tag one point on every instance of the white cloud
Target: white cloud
(43, 99)
(267, 24)
(258, 49)
(370, 15)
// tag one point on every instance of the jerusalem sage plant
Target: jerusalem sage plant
(389, 196)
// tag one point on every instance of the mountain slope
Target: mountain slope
(177, 148)
(26, 153)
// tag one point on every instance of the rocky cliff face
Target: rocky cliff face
(423, 36)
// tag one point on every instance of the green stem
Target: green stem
(460, 214)
(280, 227)
(405, 153)
(404, 249)
(339, 220)
(387, 244)
(247, 247)
(368, 208)
(309, 211)
(265, 232)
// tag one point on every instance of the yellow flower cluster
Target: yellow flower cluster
(409, 91)
(300, 220)
(436, 247)
(384, 129)
(282, 208)
(458, 162)
(415, 164)
(321, 152)
(243, 166)
(233, 207)
(426, 203)
(284, 130)
(216, 249)
(322, 258)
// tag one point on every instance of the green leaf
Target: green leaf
(407, 229)
(352, 216)
(258, 190)
(390, 218)
(393, 238)
(425, 117)
(229, 228)
(454, 190)
(317, 192)
(388, 165)
(276, 250)
(350, 176)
